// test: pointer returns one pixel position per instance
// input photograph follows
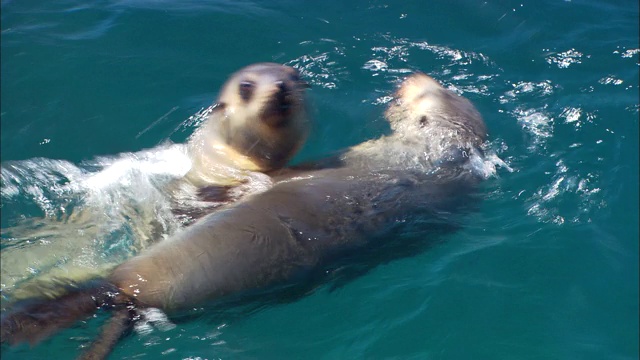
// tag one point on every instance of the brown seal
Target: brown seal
(304, 222)
(258, 122)
(261, 240)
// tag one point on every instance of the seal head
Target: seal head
(258, 122)
(430, 126)
(422, 105)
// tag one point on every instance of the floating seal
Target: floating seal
(304, 222)
(258, 123)
(430, 125)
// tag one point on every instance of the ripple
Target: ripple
(196, 6)
(565, 59)
(629, 53)
(321, 67)
(570, 196)
(542, 89)
(93, 31)
(461, 71)
(610, 80)
(536, 122)
(375, 66)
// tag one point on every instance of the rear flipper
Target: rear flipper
(116, 327)
(33, 320)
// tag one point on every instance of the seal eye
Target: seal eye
(246, 90)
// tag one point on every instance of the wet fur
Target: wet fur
(307, 221)
(242, 138)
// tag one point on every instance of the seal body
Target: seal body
(257, 123)
(429, 124)
(308, 219)
(291, 229)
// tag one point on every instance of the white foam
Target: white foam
(536, 122)
(153, 318)
(167, 162)
(488, 165)
(375, 65)
(98, 213)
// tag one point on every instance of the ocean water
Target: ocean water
(546, 268)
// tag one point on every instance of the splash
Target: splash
(487, 166)
(536, 122)
(86, 217)
(153, 318)
(556, 202)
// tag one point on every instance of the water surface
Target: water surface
(546, 268)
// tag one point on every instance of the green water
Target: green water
(547, 268)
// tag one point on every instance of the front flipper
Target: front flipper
(215, 193)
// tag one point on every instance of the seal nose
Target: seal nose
(283, 95)
(282, 87)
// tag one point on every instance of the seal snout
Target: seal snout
(281, 103)
(283, 96)
(280, 100)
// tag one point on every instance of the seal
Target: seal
(423, 109)
(257, 123)
(308, 220)
(429, 124)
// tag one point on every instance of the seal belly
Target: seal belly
(226, 252)
(274, 236)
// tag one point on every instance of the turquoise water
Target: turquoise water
(547, 268)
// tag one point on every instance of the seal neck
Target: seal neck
(215, 162)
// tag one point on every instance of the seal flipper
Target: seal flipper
(215, 193)
(119, 324)
(33, 320)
